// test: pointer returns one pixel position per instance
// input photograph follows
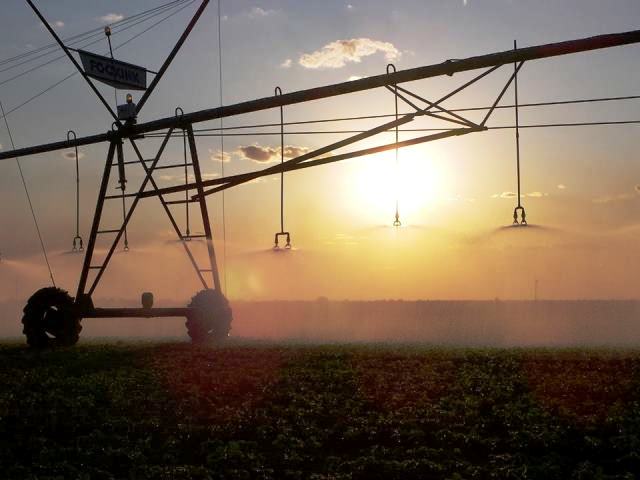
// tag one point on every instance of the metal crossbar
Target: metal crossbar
(449, 67)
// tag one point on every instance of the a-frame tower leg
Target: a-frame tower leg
(86, 266)
(202, 200)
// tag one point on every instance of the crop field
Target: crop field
(172, 411)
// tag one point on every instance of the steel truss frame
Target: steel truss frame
(304, 161)
(83, 295)
(132, 132)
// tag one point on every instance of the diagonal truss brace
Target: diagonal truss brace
(459, 119)
(171, 55)
(121, 231)
(311, 159)
(165, 206)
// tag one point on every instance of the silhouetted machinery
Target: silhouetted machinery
(52, 316)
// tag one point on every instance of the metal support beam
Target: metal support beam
(62, 145)
(96, 223)
(326, 149)
(203, 208)
(287, 167)
(382, 148)
(136, 312)
(464, 121)
(225, 183)
(448, 67)
(425, 111)
(504, 89)
(243, 178)
(171, 56)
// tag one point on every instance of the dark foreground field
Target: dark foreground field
(172, 411)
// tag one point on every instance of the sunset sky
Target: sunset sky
(581, 185)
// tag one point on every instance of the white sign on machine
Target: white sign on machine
(118, 74)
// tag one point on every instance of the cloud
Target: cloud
(349, 6)
(218, 156)
(504, 195)
(291, 151)
(264, 154)
(537, 194)
(514, 195)
(111, 18)
(562, 186)
(340, 52)
(258, 153)
(58, 24)
(353, 77)
(257, 12)
(71, 154)
(287, 63)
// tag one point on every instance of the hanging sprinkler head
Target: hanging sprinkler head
(397, 222)
(287, 245)
(523, 216)
(78, 245)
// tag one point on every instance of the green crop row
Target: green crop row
(245, 411)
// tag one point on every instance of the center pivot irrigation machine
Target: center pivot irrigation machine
(53, 316)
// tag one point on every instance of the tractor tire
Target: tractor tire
(50, 318)
(210, 320)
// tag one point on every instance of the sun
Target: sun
(417, 183)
